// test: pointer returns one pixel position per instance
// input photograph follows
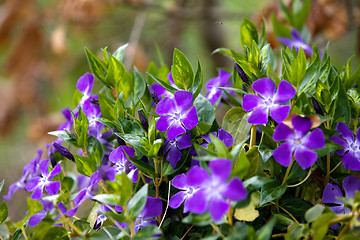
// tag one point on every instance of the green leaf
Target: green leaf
(155, 147)
(302, 14)
(85, 165)
(198, 219)
(271, 191)
(265, 232)
(206, 114)
(110, 199)
(115, 72)
(165, 85)
(97, 66)
(182, 71)
(148, 232)
(280, 29)
(106, 106)
(313, 213)
(220, 147)
(95, 150)
(139, 85)
(235, 122)
(255, 183)
(3, 212)
(241, 166)
(81, 126)
(109, 123)
(126, 85)
(120, 52)
(67, 136)
(343, 108)
(137, 202)
(330, 147)
(321, 225)
(296, 206)
(139, 143)
(196, 88)
(248, 33)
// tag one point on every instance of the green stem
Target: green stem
(287, 172)
(327, 178)
(253, 136)
(217, 230)
(156, 179)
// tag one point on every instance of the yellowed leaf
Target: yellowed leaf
(249, 213)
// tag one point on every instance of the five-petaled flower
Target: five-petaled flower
(298, 141)
(37, 184)
(173, 147)
(351, 152)
(269, 100)
(176, 114)
(121, 162)
(211, 192)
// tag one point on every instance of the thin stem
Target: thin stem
(343, 231)
(156, 180)
(85, 152)
(287, 172)
(167, 206)
(131, 224)
(302, 181)
(286, 211)
(108, 233)
(217, 230)
(102, 184)
(143, 178)
(253, 136)
(230, 216)
(332, 170)
(278, 235)
(182, 238)
(24, 233)
(327, 178)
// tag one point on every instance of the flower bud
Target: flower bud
(63, 151)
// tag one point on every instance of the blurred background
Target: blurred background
(42, 53)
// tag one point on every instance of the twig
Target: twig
(182, 238)
(167, 206)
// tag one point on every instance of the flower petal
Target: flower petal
(52, 187)
(184, 141)
(164, 123)
(279, 112)
(284, 93)
(166, 106)
(198, 203)
(36, 219)
(259, 116)
(175, 130)
(37, 194)
(234, 190)
(283, 133)
(314, 140)
(351, 161)
(190, 119)
(197, 176)
(345, 132)
(179, 181)
(225, 137)
(173, 156)
(85, 83)
(341, 142)
(153, 208)
(220, 169)
(285, 41)
(44, 167)
(218, 208)
(34, 182)
(265, 87)
(301, 125)
(331, 194)
(184, 100)
(283, 154)
(80, 197)
(351, 184)
(304, 157)
(177, 199)
(56, 170)
(250, 102)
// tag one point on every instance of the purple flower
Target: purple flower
(214, 92)
(37, 184)
(69, 120)
(332, 193)
(85, 85)
(173, 147)
(269, 100)
(160, 91)
(30, 171)
(213, 192)
(222, 135)
(64, 151)
(297, 42)
(121, 162)
(86, 193)
(152, 209)
(38, 217)
(351, 152)
(176, 115)
(180, 182)
(298, 141)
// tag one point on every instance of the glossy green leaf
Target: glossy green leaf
(155, 147)
(240, 166)
(248, 33)
(139, 85)
(115, 72)
(313, 213)
(120, 52)
(265, 232)
(206, 114)
(106, 106)
(137, 202)
(182, 71)
(95, 150)
(271, 191)
(235, 122)
(110, 199)
(97, 66)
(139, 143)
(198, 219)
(198, 83)
(85, 165)
(3, 212)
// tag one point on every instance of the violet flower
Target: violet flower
(121, 162)
(351, 152)
(176, 115)
(298, 142)
(37, 184)
(152, 209)
(86, 193)
(173, 147)
(214, 92)
(297, 42)
(180, 182)
(84, 85)
(269, 100)
(214, 192)
(30, 171)
(332, 193)
(160, 91)
(38, 217)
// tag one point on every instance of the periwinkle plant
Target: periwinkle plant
(129, 166)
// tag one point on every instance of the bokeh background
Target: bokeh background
(42, 53)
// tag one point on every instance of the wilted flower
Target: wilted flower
(351, 152)
(37, 184)
(298, 142)
(269, 100)
(176, 115)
